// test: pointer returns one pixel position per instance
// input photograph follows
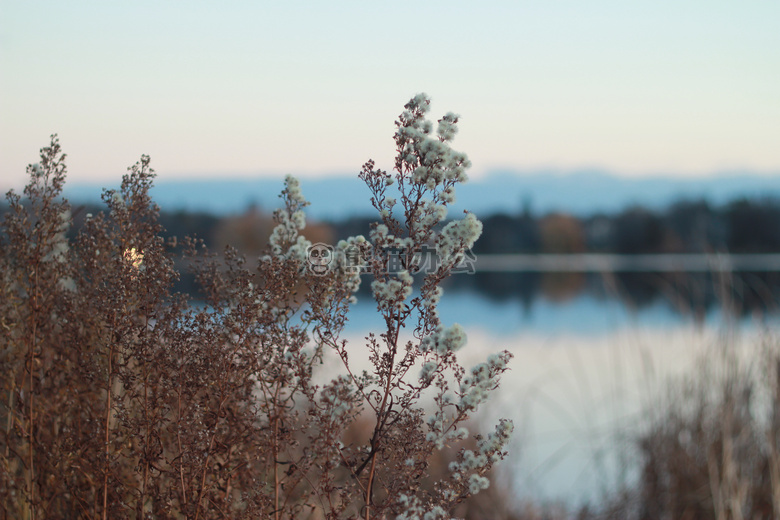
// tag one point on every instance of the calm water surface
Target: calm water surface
(587, 377)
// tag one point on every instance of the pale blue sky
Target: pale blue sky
(247, 88)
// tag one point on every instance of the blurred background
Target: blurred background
(635, 146)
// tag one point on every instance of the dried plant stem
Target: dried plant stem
(181, 452)
(142, 498)
(204, 471)
(370, 484)
(9, 421)
(380, 421)
(108, 429)
(147, 440)
(31, 361)
(275, 451)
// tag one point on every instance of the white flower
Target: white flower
(447, 196)
(447, 126)
(494, 442)
(444, 341)
(477, 483)
(474, 389)
(285, 240)
(419, 102)
(380, 233)
(428, 370)
(391, 293)
(436, 513)
(293, 188)
(299, 219)
(457, 236)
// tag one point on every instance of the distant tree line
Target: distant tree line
(742, 226)
(688, 226)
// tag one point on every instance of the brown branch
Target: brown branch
(107, 430)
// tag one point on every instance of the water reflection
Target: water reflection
(695, 294)
(588, 374)
(585, 313)
(579, 402)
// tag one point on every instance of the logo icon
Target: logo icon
(319, 256)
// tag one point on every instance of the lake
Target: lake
(588, 374)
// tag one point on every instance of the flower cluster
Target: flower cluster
(415, 510)
(383, 239)
(345, 265)
(441, 430)
(447, 126)
(444, 340)
(285, 240)
(428, 369)
(426, 172)
(430, 159)
(457, 236)
(393, 292)
(476, 463)
(430, 301)
(429, 214)
(474, 389)
(493, 445)
(427, 169)
(337, 397)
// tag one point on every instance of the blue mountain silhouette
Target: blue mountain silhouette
(581, 192)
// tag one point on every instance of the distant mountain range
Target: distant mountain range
(579, 193)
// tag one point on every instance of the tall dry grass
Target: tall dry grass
(120, 399)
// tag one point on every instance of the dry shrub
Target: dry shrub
(712, 449)
(122, 399)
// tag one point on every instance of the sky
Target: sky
(249, 88)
